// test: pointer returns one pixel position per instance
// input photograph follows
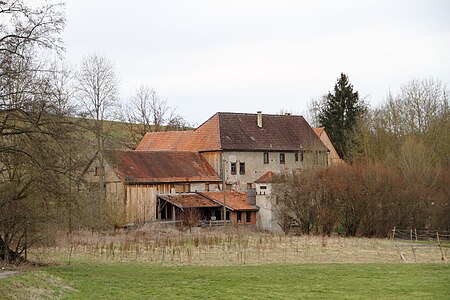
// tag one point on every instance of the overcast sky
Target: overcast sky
(248, 55)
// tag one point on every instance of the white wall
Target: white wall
(255, 167)
(266, 217)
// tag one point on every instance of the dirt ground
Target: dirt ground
(5, 274)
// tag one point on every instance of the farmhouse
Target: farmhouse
(246, 145)
(172, 171)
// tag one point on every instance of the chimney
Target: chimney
(259, 121)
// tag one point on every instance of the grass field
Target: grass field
(294, 281)
(233, 264)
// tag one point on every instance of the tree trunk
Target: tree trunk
(8, 255)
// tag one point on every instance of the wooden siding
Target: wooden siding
(214, 159)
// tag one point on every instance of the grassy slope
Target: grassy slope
(306, 281)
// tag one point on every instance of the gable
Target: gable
(323, 135)
(268, 177)
(204, 138)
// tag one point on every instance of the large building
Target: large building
(247, 145)
(232, 148)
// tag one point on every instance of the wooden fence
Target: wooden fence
(420, 239)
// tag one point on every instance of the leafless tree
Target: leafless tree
(97, 91)
(24, 27)
(147, 112)
(296, 196)
(312, 115)
(190, 216)
(38, 173)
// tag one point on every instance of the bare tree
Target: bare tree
(295, 195)
(312, 114)
(190, 216)
(31, 147)
(24, 27)
(147, 112)
(97, 91)
(417, 117)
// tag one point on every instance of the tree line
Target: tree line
(53, 122)
(397, 170)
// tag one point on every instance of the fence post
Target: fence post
(410, 235)
(393, 233)
(440, 248)
(415, 233)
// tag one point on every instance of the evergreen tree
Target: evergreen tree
(339, 114)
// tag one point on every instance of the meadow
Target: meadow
(169, 264)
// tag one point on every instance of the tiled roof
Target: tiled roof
(160, 166)
(238, 131)
(278, 133)
(189, 200)
(166, 141)
(204, 138)
(268, 177)
(234, 200)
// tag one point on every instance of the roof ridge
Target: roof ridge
(253, 114)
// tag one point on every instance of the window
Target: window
(207, 187)
(301, 156)
(296, 156)
(239, 216)
(242, 168)
(263, 187)
(248, 216)
(282, 158)
(249, 186)
(233, 168)
(96, 173)
(266, 157)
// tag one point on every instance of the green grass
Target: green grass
(303, 281)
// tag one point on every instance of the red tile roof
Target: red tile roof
(268, 177)
(189, 200)
(166, 141)
(238, 131)
(206, 136)
(234, 200)
(160, 166)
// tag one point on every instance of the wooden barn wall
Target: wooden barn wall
(141, 200)
(214, 159)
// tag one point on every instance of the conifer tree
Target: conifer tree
(339, 114)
